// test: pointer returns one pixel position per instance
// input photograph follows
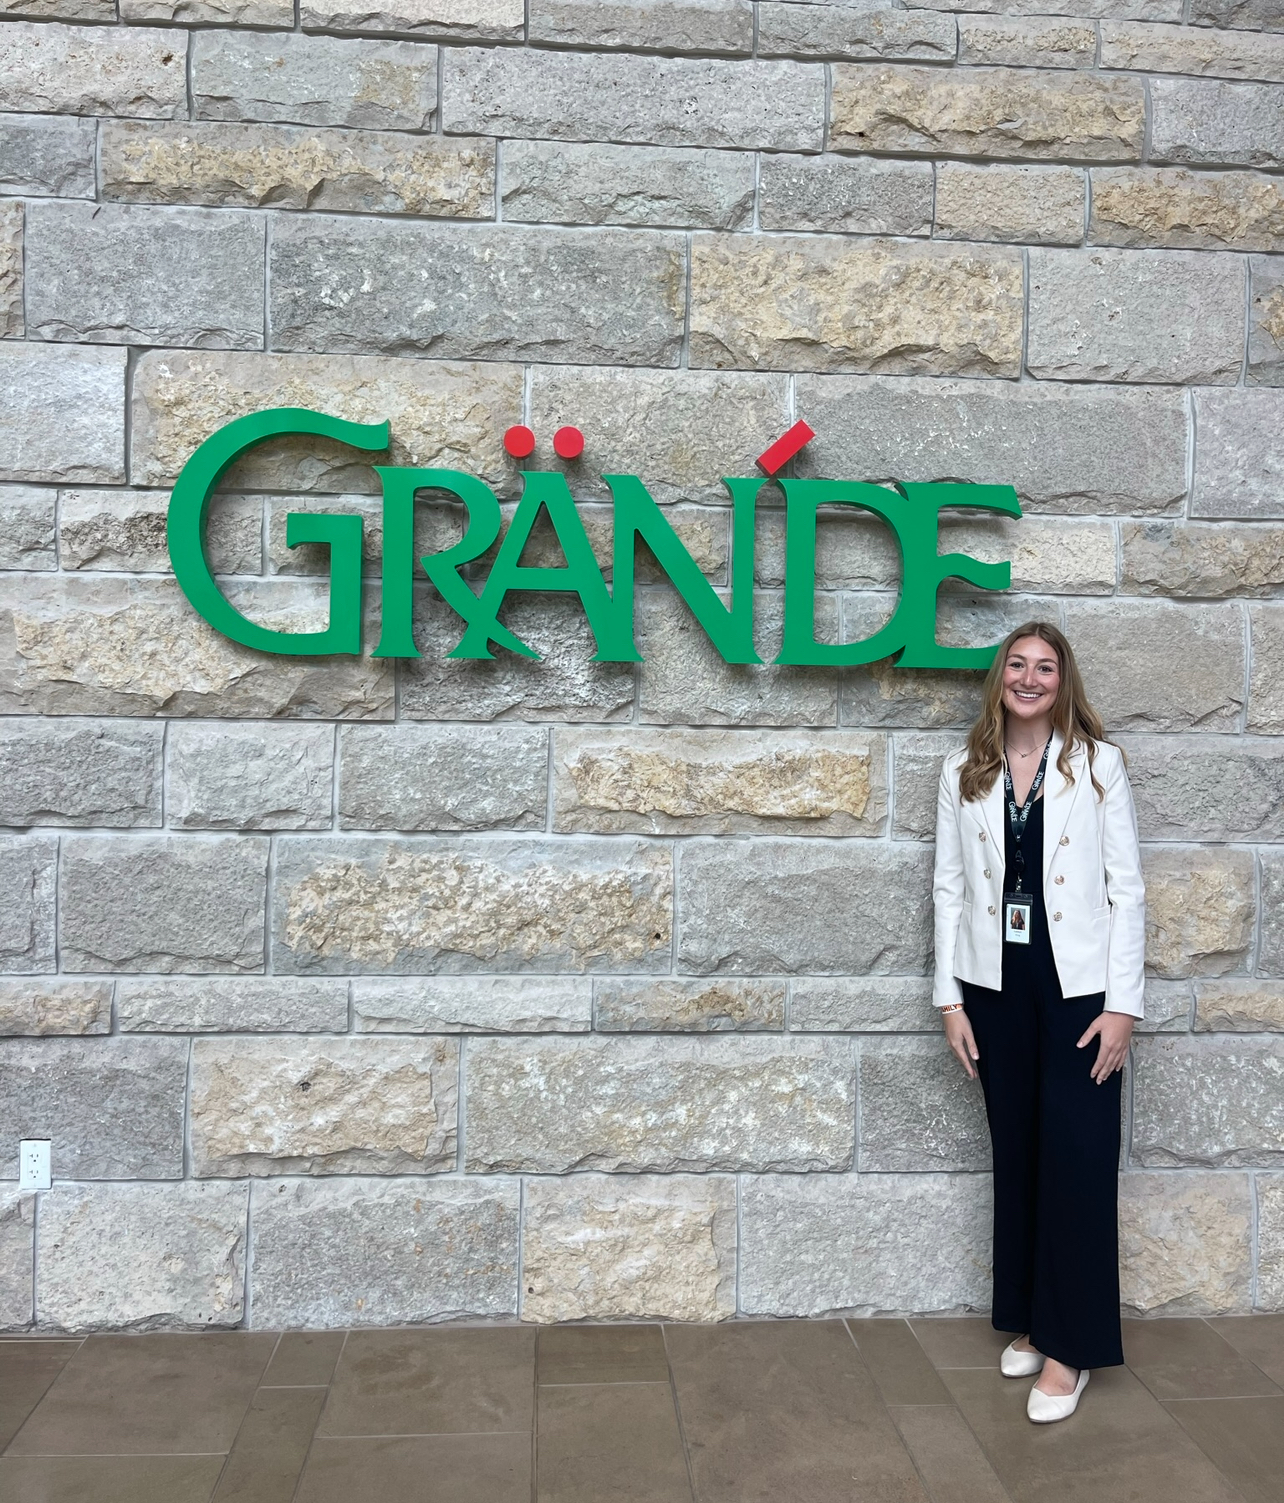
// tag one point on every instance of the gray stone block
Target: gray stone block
(112, 1108)
(667, 1105)
(702, 26)
(1266, 319)
(357, 1252)
(250, 777)
(277, 13)
(1202, 120)
(47, 156)
(855, 30)
(768, 908)
(39, 1008)
(244, 1004)
(1185, 1243)
(80, 772)
(470, 904)
(28, 877)
(492, 291)
(1168, 1007)
(661, 101)
(862, 1004)
(1202, 559)
(1266, 15)
(162, 903)
(1208, 1102)
(1023, 203)
(865, 1244)
(1188, 789)
(142, 1257)
(124, 530)
(11, 315)
(503, 20)
(86, 388)
(918, 1110)
(1270, 1241)
(1180, 49)
(1200, 909)
(1173, 206)
(1066, 448)
(437, 525)
(309, 80)
(1270, 959)
(1140, 10)
(862, 196)
(1239, 1007)
(1118, 315)
(99, 70)
(1027, 42)
(204, 284)
(1265, 691)
(657, 1005)
(27, 528)
(569, 182)
(474, 1004)
(17, 1260)
(424, 777)
(917, 759)
(1239, 455)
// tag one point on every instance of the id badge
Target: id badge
(1016, 918)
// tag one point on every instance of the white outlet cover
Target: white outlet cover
(34, 1164)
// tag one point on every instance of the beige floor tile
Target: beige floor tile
(419, 1469)
(1260, 1338)
(271, 1446)
(1243, 1437)
(616, 1440)
(965, 1341)
(951, 1463)
(303, 1358)
(108, 1479)
(898, 1362)
(27, 1368)
(1187, 1359)
(602, 1354)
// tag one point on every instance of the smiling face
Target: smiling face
(1031, 679)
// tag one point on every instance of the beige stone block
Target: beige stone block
(1270, 1241)
(93, 70)
(629, 1247)
(1266, 322)
(17, 1261)
(704, 531)
(323, 1106)
(1185, 1243)
(1270, 955)
(1027, 41)
(1173, 206)
(241, 1004)
(1202, 560)
(719, 782)
(1199, 911)
(1186, 49)
(11, 324)
(1049, 555)
(883, 306)
(862, 1004)
(987, 112)
(473, 1004)
(658, 1005)
(277, 13)
(1265, 686)
(1239, 1007)
(917, 758)
(499, 19)
(46, 1006)
(441, 413)
(124, 531)
(1028, 204)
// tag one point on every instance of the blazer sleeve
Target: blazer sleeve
(1125, 891)
(947, 890)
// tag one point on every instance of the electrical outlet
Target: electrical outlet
(34, 1171)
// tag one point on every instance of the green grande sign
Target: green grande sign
(911, 511)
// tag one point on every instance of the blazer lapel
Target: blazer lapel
(993, 816)
(1059, 797)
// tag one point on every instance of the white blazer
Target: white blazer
(1092, 884)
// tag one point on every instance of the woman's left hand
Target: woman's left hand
(1115, 1029)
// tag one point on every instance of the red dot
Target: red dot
(519, 441)
(568, 443)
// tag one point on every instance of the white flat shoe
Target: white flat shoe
(1045, 1408)
(1014, 1364)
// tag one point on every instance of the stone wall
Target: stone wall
(351, 991)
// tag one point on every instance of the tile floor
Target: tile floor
(881, 1411)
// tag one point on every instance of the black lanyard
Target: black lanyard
(1017, 817)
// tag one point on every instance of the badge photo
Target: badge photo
(1016, 918)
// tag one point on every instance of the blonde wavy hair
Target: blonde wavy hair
(1072, 716)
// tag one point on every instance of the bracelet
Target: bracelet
(952, 1007)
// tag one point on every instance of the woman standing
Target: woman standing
(1040, 930)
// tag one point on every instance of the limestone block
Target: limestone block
(918, 1110)
(1239, 460)
(1141, 10)
(47, 156)
(702, 26)
(438, 524)
(17, 1261)
(86, 389)
(661, 101)
(277, 13)
(862, 1004)
(1202, 559)
(1168, 1007)
(28, 876)
(441, 414)
(39, 1008)
(426, 777)
(1155, 666)
(474, 1004)
(924, 309)
(1268, 15)
(112, 1108)
(1024, 203)
(323, 1106)
(1172, 206)
(1048, 555)
(1185, 1244)
(635, 1247)
(11, 323)
(124, 530)
(286, 77)
(1266, 320)
(1065, 448)
(250, 777)
(80, 772)
(867, 1244)
(162, 903)
(357, 1252)
(104, 644)
(663, 1104)
(1208, 1102)
(98, 70)
(566, 182)
(984, 112)
(1270, 1241)
(1199, 911)
(769, 908)
(1118, 315)
(1188, 789)
(142, 1257)
(854, 550)
(1205, 121)
(27, 528)
(845, 195)
(1239, 1007)
(205, 285)
(719, 782)
(1265, 691)
(1182, 49)
(841, 28)
(1270, 958)
(1028, 42)
(288, 167)
(460, 904)
(917, 759)
(502, 20)
(680, 1006)
(367, 286)
(242, 1004)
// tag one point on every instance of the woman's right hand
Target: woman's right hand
(958, 1034)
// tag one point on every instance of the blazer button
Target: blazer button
(1060, 880)
(1065, 840)
(982, 834)
(993, 909)
(987, 871)
(1057, 916)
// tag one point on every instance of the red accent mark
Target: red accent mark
(519, 441)
(568, 443)
(784, 449)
